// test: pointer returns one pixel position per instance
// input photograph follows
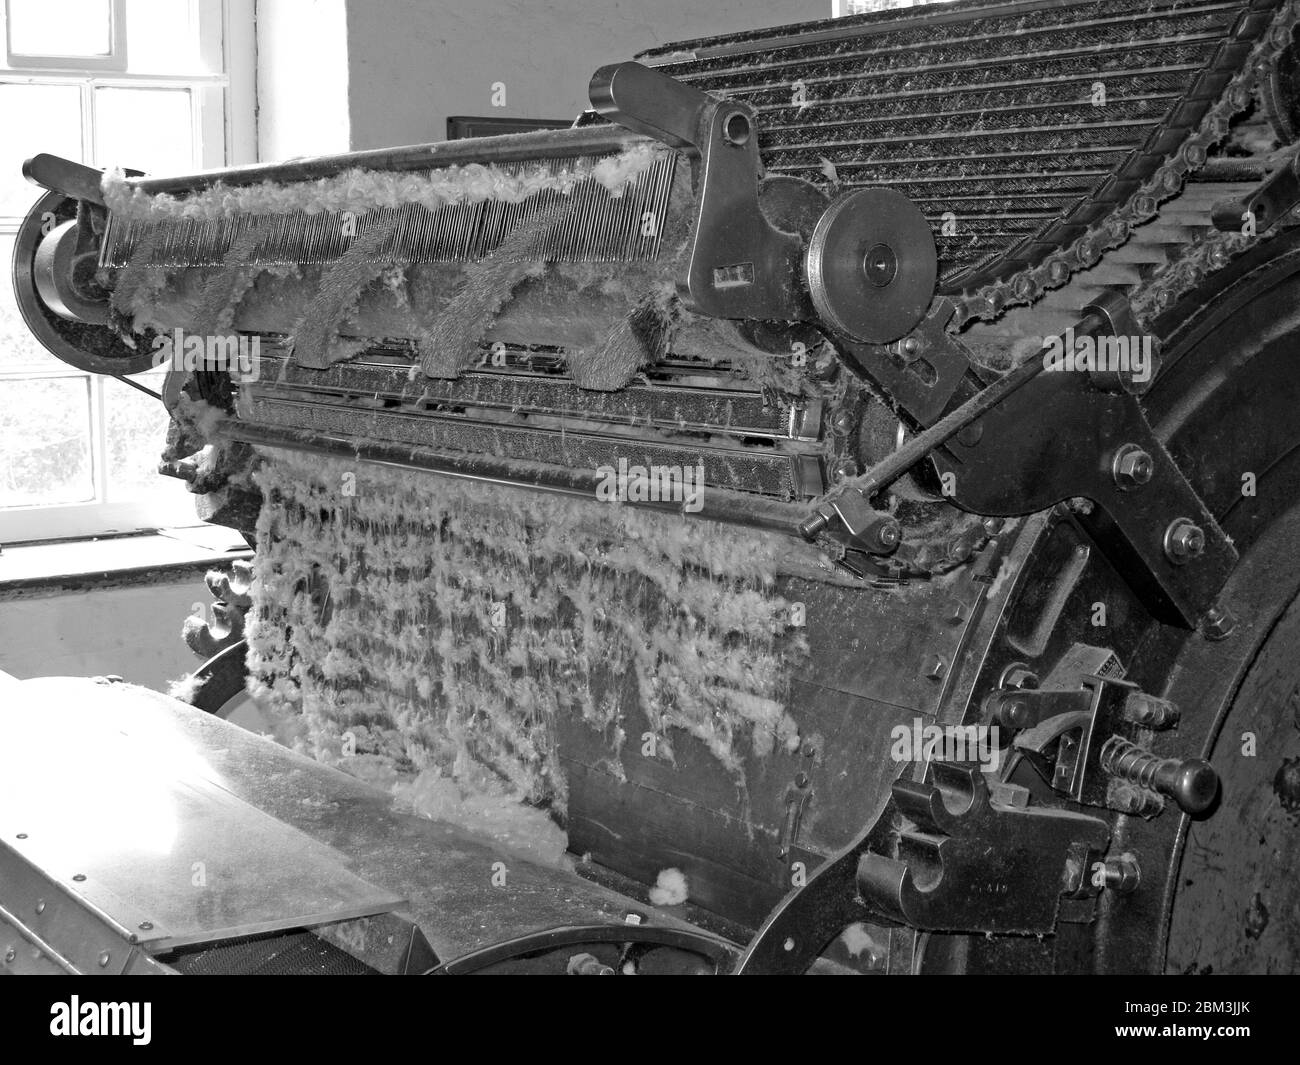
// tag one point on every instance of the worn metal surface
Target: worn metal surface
(446, 874)
(139, 826)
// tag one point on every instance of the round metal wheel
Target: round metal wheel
(872, 265)
(222, 693)
(94, 348)
(1238, 910)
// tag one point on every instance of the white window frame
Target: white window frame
(224, 118)
(115, 60)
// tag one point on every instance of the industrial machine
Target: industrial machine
(847, 483)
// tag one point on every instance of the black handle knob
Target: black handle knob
(1191, 782)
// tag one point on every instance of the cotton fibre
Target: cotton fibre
(669, 889)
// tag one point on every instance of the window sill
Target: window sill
(77, 565)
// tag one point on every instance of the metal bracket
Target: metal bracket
(1058, 439)
(971, 863)
(741, 265)
(924, 372)
(967, 861)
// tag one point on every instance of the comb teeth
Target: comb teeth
(601, 227)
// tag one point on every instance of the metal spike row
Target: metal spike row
(602, 228)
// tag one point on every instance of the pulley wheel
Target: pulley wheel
(93, 347)
(872, 265)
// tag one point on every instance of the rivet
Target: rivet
(78, 877)
(103, 958)
(40, 905)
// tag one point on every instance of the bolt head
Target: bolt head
(1132, 467)
(890, 535)
(844, 469)
(1184, 541)
(1013, 713)
(935, 667)
(1218, 624)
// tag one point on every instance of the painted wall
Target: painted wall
(414, 62)
(302, 78)
(134, 632)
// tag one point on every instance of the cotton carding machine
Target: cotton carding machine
(848, 479)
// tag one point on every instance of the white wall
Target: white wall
(414, 62)
(302, 78)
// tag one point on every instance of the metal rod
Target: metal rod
(890, 469)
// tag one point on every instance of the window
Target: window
(158, 85)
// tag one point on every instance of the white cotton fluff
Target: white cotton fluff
(669, 889)
(858, 941)
(186, 689)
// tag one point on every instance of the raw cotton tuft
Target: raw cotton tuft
(669, 889)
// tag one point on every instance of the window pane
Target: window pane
(162, 37)
(148, 129)
(45, 441)
(34, 118)
(137, 431)
(60, 27)
(18, 348)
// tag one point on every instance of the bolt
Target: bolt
(934, 667)
(1144, 206)
(10, 954)
(1059, 271)
(842, 422)
(993, 526)
(1150, 712)
(1184, 541)
(146, 925)
(844, 469)
(1122, 874)
(1191, 782)
(810, 528)
(801, 780)
(1137, 802)
(1218, 624)
(1014, 713)
(1132, 467)
(1195, 154)
(911, 346)
(889, 534)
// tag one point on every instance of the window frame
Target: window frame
(116, 59)
(223, 117)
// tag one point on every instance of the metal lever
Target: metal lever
(741, 265)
